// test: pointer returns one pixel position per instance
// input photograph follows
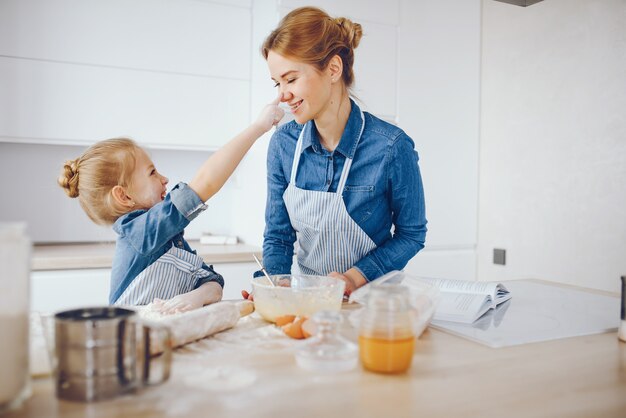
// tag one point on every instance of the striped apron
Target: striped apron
(174, 273)
(328, 238)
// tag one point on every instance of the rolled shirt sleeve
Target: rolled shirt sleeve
(187, 201)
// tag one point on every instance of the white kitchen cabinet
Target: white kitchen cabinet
(69, 104)
(237, 277)
(181, 36)
(445, 263)
(159, 71)
(55, 290)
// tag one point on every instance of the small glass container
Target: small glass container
(386, 334)
(14, 315)
(621, 333)
(327, 351)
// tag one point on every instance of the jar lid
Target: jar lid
(389, 297)
(12, 230)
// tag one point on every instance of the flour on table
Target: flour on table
(225, 378)
(151, 312)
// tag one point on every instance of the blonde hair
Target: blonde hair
(310, 35)
(92, 176)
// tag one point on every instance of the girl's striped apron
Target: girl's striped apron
(174, 273)
(328, 238)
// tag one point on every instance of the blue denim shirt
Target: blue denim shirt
(145, 235)
(383, 190)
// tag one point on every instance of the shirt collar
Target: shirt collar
(347, 144)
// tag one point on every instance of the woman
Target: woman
(339, 179)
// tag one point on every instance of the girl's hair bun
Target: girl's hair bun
(68, 179)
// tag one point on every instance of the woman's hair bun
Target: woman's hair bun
(351, 31)
(68, 179)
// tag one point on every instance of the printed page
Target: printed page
(464, 286)
(462, 307)
(502, 294)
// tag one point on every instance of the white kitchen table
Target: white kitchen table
(250, 371)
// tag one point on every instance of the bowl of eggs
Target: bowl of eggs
(297, 295)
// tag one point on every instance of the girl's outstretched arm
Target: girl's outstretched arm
(221, 164)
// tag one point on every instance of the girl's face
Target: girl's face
(147, 185)
(303, 87)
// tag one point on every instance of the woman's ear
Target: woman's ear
(121, 197)
(335, 68)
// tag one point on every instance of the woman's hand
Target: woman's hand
(270, 115)
(353, 279)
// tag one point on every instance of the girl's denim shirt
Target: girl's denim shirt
(383, 190)
(145, 235)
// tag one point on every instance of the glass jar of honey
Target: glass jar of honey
(386, 336)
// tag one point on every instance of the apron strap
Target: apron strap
(346, 166)
(296, 157)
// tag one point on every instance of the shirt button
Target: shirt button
(328, 182)
(330, 158)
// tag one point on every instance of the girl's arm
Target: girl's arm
(222, 163)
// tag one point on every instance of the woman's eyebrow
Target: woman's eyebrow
(286, 74)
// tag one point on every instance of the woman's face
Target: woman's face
(303, 87)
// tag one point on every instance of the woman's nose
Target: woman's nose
(285, 94)
(165, 180)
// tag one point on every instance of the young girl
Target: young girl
(116, 183)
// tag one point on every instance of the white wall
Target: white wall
(438, 101)
(74, 72)
(553, 142)
(417, 65)
(249, 181)
(550, 84)
(376, 55)
(31, 193)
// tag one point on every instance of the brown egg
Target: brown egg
(294, 329)
(284, 320)
(308, 328)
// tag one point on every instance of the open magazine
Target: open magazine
(464, 301)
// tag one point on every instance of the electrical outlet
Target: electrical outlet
(499, 256)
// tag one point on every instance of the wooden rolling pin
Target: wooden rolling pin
(194, 325)
(185, 327)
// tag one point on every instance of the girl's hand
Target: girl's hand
(181, 303)
(207, 293)
(270, 115)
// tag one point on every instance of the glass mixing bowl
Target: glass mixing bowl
(300, 295)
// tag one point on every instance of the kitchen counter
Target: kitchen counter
(100, 255)
(250, 371)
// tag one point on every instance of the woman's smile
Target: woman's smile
(295, 106)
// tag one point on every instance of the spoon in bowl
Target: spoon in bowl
(263, 270)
